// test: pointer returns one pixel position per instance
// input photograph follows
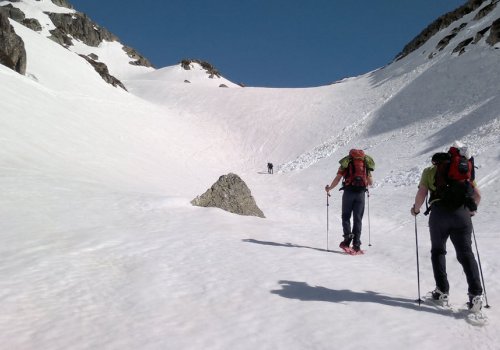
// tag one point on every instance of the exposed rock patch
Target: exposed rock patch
(13, 12)
(211, 70)
(494, 36)
(80, 27)
(32, 23)
(62, 3)
(230, 193)
(445, 41)
(19, 16)
(12, 51)
(103, 71)
(485, 11)
(461, 46)
(439, 24)
(480, 34)
(139, 60)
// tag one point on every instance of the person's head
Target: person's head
(439, 157)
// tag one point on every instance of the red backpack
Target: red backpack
(356, 176)
(461, 168)
(454, 180)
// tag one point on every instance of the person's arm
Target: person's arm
(370, 179)
(419, 199)
(334, 183)
(476, 196)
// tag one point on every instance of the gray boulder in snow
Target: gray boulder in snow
(12, 51)
(230, 193)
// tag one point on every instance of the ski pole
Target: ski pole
(327, 218)
(419, 300)
(480, 269)
(369, 229)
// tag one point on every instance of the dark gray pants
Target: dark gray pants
(353, 203)
(457, 225)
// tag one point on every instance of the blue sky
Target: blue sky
(270, 43)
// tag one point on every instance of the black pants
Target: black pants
(353, 203)
(456, 225)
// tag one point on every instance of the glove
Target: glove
(413, 212)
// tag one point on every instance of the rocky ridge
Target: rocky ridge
(484, 6)
(75, 26)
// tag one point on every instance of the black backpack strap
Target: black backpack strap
(427, 207)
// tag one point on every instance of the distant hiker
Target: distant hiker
(269, 168)
(355, 170)
(454, 199)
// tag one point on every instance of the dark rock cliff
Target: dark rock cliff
(12, 51)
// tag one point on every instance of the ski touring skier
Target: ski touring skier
(454, 197)
(355, 171)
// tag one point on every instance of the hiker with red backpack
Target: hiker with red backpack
(355, 170)
(454, 199)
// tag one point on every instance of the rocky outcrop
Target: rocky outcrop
(211, 70)
(32, 23)
(485, 10)
(62, 3)
(230, 193)
(12, 51)
(439, 24)
(13, 12)
(494, 36)
(139, 60)
(445, 41)
(80, 27)
(480, 34)
(60, 37)
(103, 71)
(460, 48)
(19, 16)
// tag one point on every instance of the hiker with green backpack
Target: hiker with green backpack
(454, 199)
(355, 171)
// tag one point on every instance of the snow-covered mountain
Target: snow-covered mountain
(102, 249)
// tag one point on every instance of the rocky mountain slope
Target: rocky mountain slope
(60, 22)
(101, 248)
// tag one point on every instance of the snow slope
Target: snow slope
(102, 250)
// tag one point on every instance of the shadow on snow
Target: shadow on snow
(290, 245)
(303, 291)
